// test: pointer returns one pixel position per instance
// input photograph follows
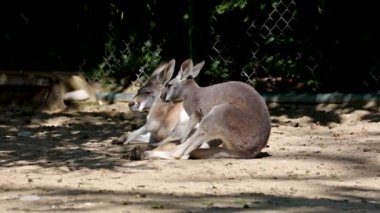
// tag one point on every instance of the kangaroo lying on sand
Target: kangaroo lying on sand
(232, 112)
(164, 118)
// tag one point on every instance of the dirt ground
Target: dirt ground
(323, 158)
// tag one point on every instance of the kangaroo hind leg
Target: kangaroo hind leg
(193, 142)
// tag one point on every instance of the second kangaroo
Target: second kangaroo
(165, 120)
(232, 113)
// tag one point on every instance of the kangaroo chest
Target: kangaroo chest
(199, 108)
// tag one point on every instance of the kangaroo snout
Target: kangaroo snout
(133, 106)
(164, 93)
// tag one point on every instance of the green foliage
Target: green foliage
(276, 60)
(218, 71)
(227, 6)
(126, 59)
(135, 56)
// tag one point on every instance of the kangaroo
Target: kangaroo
(165, 119)
(232, 113)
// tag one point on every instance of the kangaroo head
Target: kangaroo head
(151, 90)
(174, 88)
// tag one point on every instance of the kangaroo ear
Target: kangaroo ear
(185, 69)
(167, 73)
(196, 69)
(159, 69)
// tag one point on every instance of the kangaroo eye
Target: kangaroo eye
(147, 92)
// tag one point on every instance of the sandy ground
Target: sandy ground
(322, 158)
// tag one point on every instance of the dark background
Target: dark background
(342, 37)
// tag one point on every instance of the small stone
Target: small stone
(366, 150)
(30, 198)
(24, 134)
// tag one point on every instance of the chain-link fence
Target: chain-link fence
(288, 45)
(265, 46)
(278, 45)
(278, 24)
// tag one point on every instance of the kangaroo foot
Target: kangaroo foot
(157, 155)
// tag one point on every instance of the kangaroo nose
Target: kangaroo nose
(163, 96)
(164, 93)
(133, 105)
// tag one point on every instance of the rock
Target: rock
(30, 198)
(24, 134)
